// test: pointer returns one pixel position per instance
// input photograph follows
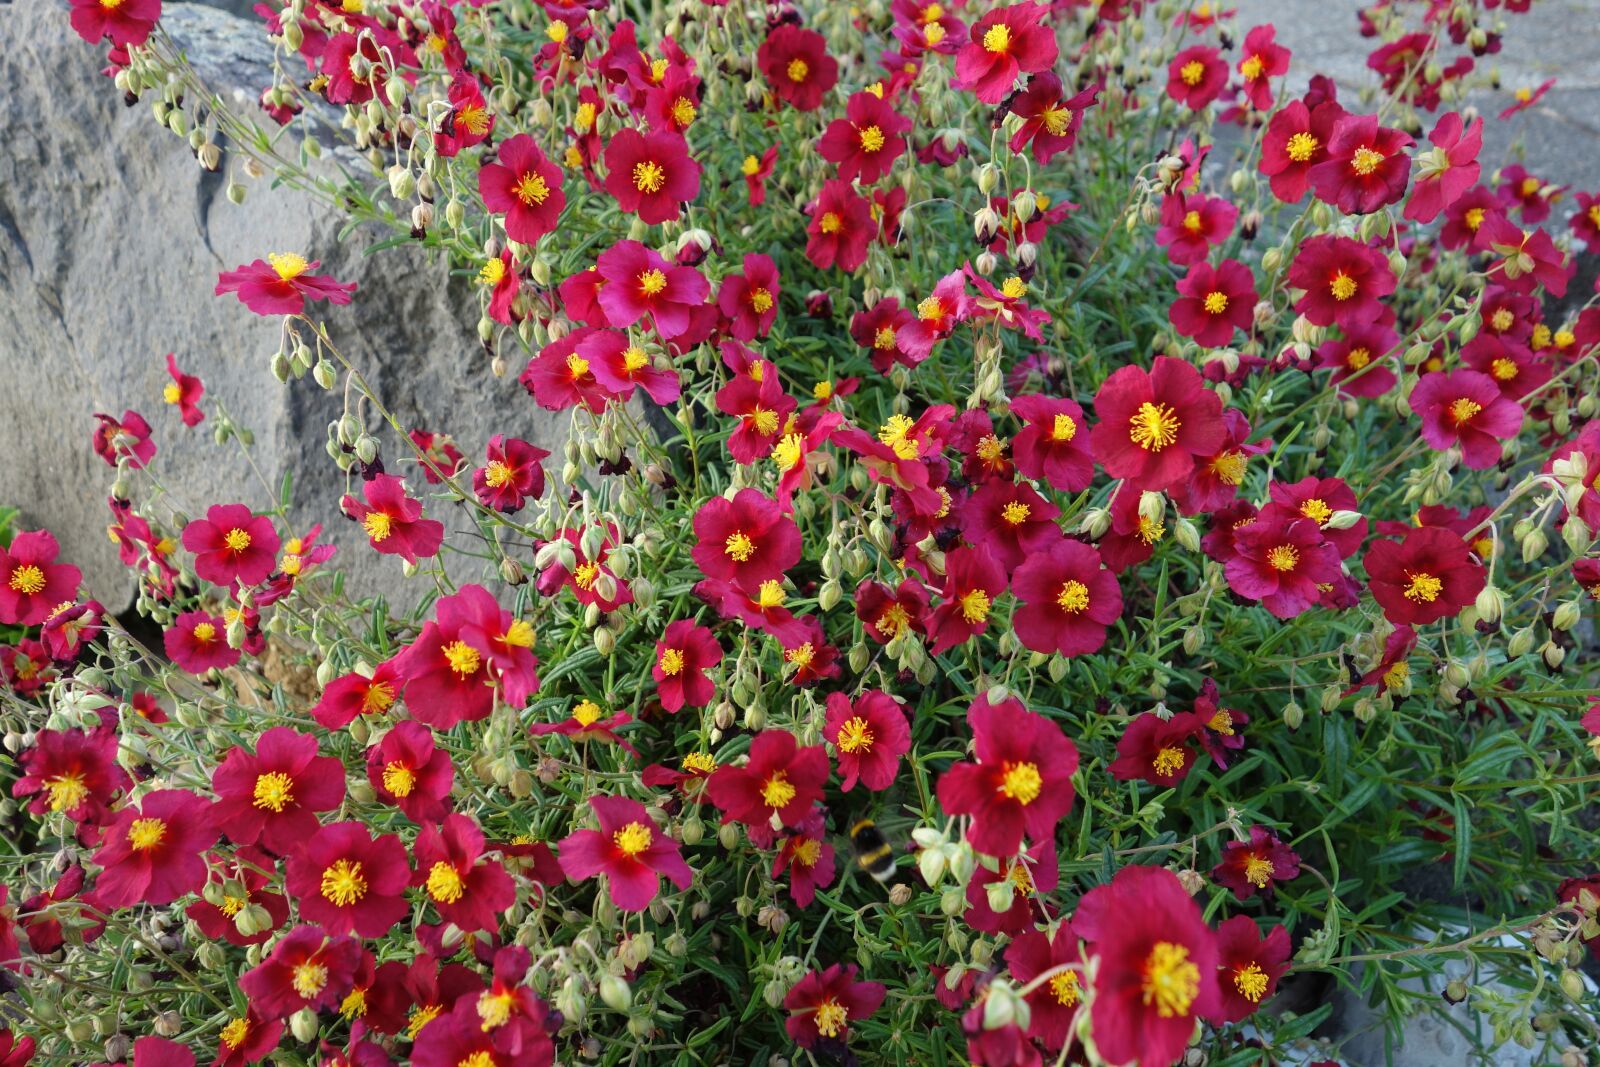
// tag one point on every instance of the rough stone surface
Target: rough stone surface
(111, 239)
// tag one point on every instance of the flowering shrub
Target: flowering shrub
(1065, 549)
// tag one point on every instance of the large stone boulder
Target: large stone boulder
(111, 239)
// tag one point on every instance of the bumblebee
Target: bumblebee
(873, 852)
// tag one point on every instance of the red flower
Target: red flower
(1296, 139)
(125, 22)
(746, 540)
(1213, 302)
(393, 521)
(273, 796)
(1526, 258)
(1053, 443)
(1280, 559)
(685, 655)
(877, 328)
(1067, 600)
(808, 858)
(756, 172)
(1264, 59)
(32, 583)
(1465, 409)
(306, 969)
(407, 770)
(937, 316)
(1192, 225)
(247, 1038)
(651, 174)
(1011, 520)
(868, 735)
(1156, 750)
(588, 722)
(629, 849)
(348, 881)
(152, 851)
(841, 227)
(440, 458)
(1343, 280)
(1154, 424)
(283, 285)
(972, 581)
(511, 475)
(1525, 98)
(1011, 898)
(1366, 167)
(1360, 360)
(467, 123)
(887, 613)
(251, 871)
(1257, 865)
(1317, 499)
(1216, 478)
(524, 186)
(559, 378)
(1585, 222)
(470, 894)
(196, 642)
(778, 785)
(1248, 966)
(1003, 44)
(823, 1004)
(72, 772)
(453, 665)
(797, 66)
(356, 694)
(1050, 119)
(1196, 76)
(590, 580)
(125, 439)
(763, 409)
(619, 366)
(749, 301)
(1431, 575)
(640, 282)
(185, 391)
(1157, 968)
(867, 141)
(232, 544)
(1021, 783)
(1447, 170)
(356, 67)
(1055, 1003)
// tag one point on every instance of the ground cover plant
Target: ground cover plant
(1067, 551)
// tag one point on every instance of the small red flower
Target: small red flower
(1191, 225)
(651, 174)
(197, 642)
(808, 858)
(746, 540)
(1196, 76)
(620, 365)
(1068, 599)
(756, 172)
(251, 871)
(629, 849)
(127, 438)
(355, 694)
(32, 583)
(152, 851)
(468, 122)
(824, 1004)
(1003, 44)
(868, 735)
(1343, 281)
(438, 455)
(867, 141)
(1256, 865)
(1366, 166)
(524, 186)
(1050, 119)
(842, 227)
(273, 796)
(1431, 575)
(1056, 1002)
(184, 392)
(1156, 750)
(888, 613)
(1021, 783)
(640, 283)
(1154, 424)
(777, 786)
(393, 521)
(1280, 559)
(348, 881)
(466, 892)
(247, 1038)
(1249, 966)
(685, 656)
(1053, 444)
(124, 22)
(281, 284)
(1213, 302)
(1465, 409)
(797, 66)
(1011, 520)
(749, 301)
(1264, 59)
(305, 969)
(232, 545)
(1361, 360)
(1296, 140)
(512, 474)
(408, 770)
(972, 581)
(1447, 170)
(72, 772)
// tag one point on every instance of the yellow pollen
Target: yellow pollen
(444, 883)
(808, 852)
(378, 525)
(1019, 877)
(632, 839)
(652, 282)
(801, 656)
(893, 621)
(237, 540)
(1251, 982)
(789, 451)
(831, 222)
(1529, 186)
(764, 421)
(1057, 120)
(658, 69)
(399, 779)
(894, 433)
(1251, 67)
(831, 1015)
(231, 906)
(1154, 426)
(585, 575)
(932, 33)
(1423, 588)
(855, 735)
(274, 791)
(739, 547)
(698, 763)
(343, 883)
(472, 118)
(930, 309)
(760, 300)
(463, 658)
(1343, 287)
(1192, 223)
(1317, 511)
(770, 594)
(1283, 558)
(587, 713)
(1503, 369)
(234, 1034)
(288, 265)
(496, 474)
(205, 633)
(990, 448)
(871, 139)
(822, 391)
(146, 834)
(1169, 761)
(1229, 467)
(310, 978)
(1064, 987)
(1358, 358)
(1171, 980)
(1021, 782)
(776, 792)
(172, 393)
(751, 166)
(495, 1011)
(1301, 147)
(997, 38)
(379, 696)
(1013, 288)
(975, 605)
(1502, 319)
(884, 338)
(648, 176)
(683, 111)
(797, 70)
(27, 579)
(1474, 218)
(493, 272)
(1015, 512)
(354, 1004)
(1073, 597)
(66, 791)
(1258, 871)
(670, 661)
(1064, 428)
(1462, 409)
(584, 120)
(1365, 161)
(1594, 214)
(1216, 303)
(1192, 71)
(1221, 722)
(421, 1016)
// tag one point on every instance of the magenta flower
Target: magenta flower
(650, 175)
(1467, 409)
(1213, 302)
(629, 849)
(526, 187)
(32, 583)
(868, 735)
(125, 22)
(1447, 170)
(684, 655)
(640, 282)
(232, 544)
(283, 285)
(196, 642)
(393, 521)
(1005, 43)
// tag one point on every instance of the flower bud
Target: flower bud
(1567, 614)
(303, 1024)
(616, 993)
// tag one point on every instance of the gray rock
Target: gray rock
(111, 239)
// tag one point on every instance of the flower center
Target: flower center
(884, 338)
(832, 1017)
(788, 452)
(343, 883)
(1171, 980)
(421, 1016)
(797, 70)
(648, 176)
(1503, 369)
(871, 138)
(1317, 511)
(1150, 530)
(1251, 67)
(1021, 782)
(1462, 409)
(205, 633)
(893, 621)
(1358, 358)
(683, 111)
(66, 791)
(765, 422)
(444, 883)
(1365, 161)
(652, 282)
(760, 300)
(1154, 426)
(1192, 71)
(632, 839)
(531, 190)
(354, 1004)
(235, 1032)
(309, 979)
(577, 366)
(1258, 871)
(751, 166)
(1073, 597)
(288, 265)
(975, 606)
(378, 526)
(587, 713)
(1283, 558)
(1064, 987)
(379, 696)
(584, 577)
(698, 763)
(1169, 761)
(1343, 287)
(896, 433)
(1301, 147)
(1251, 982)
(855, 735)
(1192, 222)
(495, 1011)
(146, 834)
(1057, 120)
(1216, 303)
(231, 906)
(1064, 428)
(801, 656)
(831, 222)
(27, 579)
(930, 309)
(399, 779)
(770, 595)
(463, 658)
(776, 792)
(739, 547)
(274, 791)
(1015, 512)
(997, 38)
(496, 474)
(171, 393)
(1423, 588)
(808, 852)
(670, 661)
